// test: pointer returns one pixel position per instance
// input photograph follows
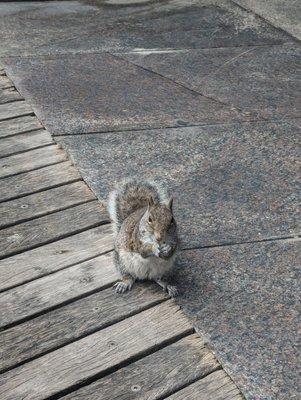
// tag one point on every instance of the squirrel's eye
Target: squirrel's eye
(150, 220)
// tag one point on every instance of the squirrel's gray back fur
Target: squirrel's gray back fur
(132, 195)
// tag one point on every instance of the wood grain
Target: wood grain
(31, 160)
(70, 322)
(19, 125)
(5, 82)
(52, 257)
(216, 386)
(9, 95)
(38, 204)
(155, 376)
(95, 354)
(54, 289)
(24, 141)
(50, 228)
(15, 109)
(37, 180)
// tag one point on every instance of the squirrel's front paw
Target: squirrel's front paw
(165, 251)
(123, 286)
(156, 250)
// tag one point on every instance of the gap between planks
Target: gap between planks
(56, 256)
(18, 125)
(155, 376)
(51, 291)
(215, 386)
(74, 321)
(100, 353)
(9, 95)
(38, 180)
(31, 160)
(52, 227)
(24, 142)
(39, 204)
(14, 109)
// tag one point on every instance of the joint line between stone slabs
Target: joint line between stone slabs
(186, 49)
(273, 239)
(244, 8)
(65, 54)
(273, 119)
(175, 82)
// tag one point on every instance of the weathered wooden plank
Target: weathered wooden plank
(52, 257)
(54, 289)
(38, 204)
(31, 160)
(216, 386)
(154, 376)
(94, 354)
(75, 320)
(37, 180)
(19, 125)
(5, 82)
(24, 142)
(15, 109)
(9, 95)
(51, 227)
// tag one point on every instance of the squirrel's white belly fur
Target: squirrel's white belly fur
(145, 268)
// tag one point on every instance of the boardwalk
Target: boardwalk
(64, 333)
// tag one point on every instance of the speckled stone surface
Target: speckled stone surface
(231, 183)
(245, 300)
(101, 92)
(281, 13)
(264, 80)
(200, 62)
(72, 26)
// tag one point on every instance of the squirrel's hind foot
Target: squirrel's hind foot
(170, 289)
(124, 285)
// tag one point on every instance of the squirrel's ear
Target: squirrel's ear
(151, 202)
(170, 203)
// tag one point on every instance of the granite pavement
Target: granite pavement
(203, 95)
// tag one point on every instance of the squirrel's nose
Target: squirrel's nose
(158, 237)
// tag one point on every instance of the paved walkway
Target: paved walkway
(204, 96)
(64, 333)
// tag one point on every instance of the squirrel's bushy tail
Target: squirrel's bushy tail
(132, 194)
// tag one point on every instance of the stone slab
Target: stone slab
(72, 26)
(245, 300)
(263, 80)
(99, 92)
(281, 13)
(231, 183)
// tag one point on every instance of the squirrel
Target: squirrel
(145, 234)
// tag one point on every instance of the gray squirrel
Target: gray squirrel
(145, 233)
